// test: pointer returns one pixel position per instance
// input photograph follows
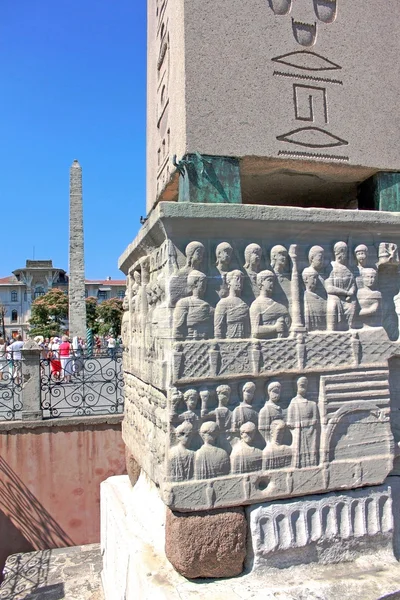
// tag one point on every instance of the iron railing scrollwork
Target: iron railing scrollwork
(85, 385)
(11, 379)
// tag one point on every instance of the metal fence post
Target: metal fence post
(31, 397)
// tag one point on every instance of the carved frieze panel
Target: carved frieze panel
(269, 358)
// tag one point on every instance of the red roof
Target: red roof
(11, 279)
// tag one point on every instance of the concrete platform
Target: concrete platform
(64, 573)
(135, 566)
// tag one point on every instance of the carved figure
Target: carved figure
(193, 315)
(303, 420)
(370, 300)
(244, 413)
(341, 288)
(223, 255)
(245, 456)
(231, 318)
(280, 266)
(361, 254)
(387, 253)
(314, 304)
(270, 411)
(194, 252)
(252, 257)
(210, 461)
(191, 398)
(222, 414)
(181, 459)
(269, 319)
(276, 454)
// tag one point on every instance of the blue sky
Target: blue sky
(73, 85)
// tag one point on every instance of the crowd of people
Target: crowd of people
(64, 356)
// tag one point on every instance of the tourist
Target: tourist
(54, 356)
(3, 358)
(111, 345)
(66, 362)
(16, 359)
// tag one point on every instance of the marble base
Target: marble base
(135, 565)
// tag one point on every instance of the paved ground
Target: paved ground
(64, 573)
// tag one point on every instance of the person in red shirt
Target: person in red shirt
(66, 361)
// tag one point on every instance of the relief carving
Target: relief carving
(369, 300)
(223, 255)
(277, 455)
(244, 413)
(193, 316)
(231, 318)
(341, 289)
(245, 456)
(303, 420)
(210, 461)
(270, 411)
(181, 459)
(269, 318)
(252, 257)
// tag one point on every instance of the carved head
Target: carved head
(274, 392)
(204, 396)
(224, 253)
(223, 394)
(125, 302)
(234, 280)
(194, 254)
(247, 432)
(361, 253)
(302, 385)
(183, 433)
(278, 428)
(209, 432)
(369, 277)
(197, 281)
(316, 257)
(266, 281)
(137, 277)
(310, 278)
(340, 252)
(248, 390)
(191, 398)
(252, 256)
(176, 396)
(279, 258)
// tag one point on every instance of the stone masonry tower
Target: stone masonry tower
(77, 307)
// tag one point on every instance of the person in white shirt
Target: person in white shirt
(111, 345)
(16, 359)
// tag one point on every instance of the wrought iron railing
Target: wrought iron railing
(81, 385)
(11, 379)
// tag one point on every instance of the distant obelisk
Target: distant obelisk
(77, 305)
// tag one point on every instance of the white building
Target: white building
(18, 291)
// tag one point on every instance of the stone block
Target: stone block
(132, 467)
(263, 352)
(206, 544)
(328, 528)
(290, 87)
(135, 565)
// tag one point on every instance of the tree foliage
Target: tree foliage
(110, 314)
(48, 313)
(91, 314)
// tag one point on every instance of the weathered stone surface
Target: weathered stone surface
(135, 565)
(328, 528)
(132, 467)
(76, 286)
(290, 87)
(263, 352)
(206, 544)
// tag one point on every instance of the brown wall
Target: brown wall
(50, 479)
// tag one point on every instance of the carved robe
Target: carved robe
(265, 311)
(245, 458)
(268, 413)
(303, 420)
(243, 414)
(314, 311)
(277, 456)
(193, 319)
(180, 464)
(231, 318)
(340, 312)
(211, 461)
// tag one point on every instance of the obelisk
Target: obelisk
(77, 306)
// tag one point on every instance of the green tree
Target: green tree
(92, 314)
(110, 316)
(48, 313)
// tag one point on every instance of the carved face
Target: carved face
(223, 397)
(369, 278)
(274, 393)
(302, 385)
(224, 254)
(247, 433)
(267, 284)
(279, 259)
(361, 256)
(317, 260)
(197, 256)
(248, 393)
(255, 258)
(191, 402)
(183, 436)
(235, 282)
(205, 396)
(341, 254)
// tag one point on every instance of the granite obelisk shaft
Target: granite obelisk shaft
(77, 306)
